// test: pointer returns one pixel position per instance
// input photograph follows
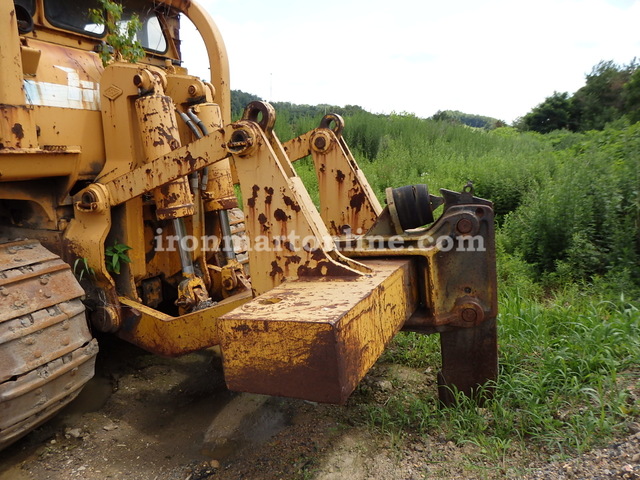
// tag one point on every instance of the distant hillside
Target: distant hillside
(240, 99)
(365, 132)
(476, 121)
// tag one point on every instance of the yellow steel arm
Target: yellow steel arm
(348, 205)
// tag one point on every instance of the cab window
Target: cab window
(74, 15)
(28, 5)
(151, 37)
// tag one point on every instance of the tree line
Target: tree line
(293, 111)
(611, 93)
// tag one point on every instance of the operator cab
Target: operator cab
(68, 23)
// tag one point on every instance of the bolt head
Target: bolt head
(464, 226)
(320, 143)
(469, 315)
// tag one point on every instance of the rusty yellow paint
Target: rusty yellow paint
(348, 205)
(290, 238)
(52, 74)
(194, 156)
(316, 338)
(324, 312)
(220, 193)
(459, 285)
(64, 60)
(159, 132)
(131, 236)
(27, 164)
(171, 336)
(121, 140)
(92, 220)
(347, 202)
(216, 51)
(11, 72)
(299, 147)
(17, 127)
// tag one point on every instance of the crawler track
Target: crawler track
(47, 353)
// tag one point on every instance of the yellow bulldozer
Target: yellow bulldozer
(119, 213)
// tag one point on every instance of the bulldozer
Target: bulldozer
(120, 182)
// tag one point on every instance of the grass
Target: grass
(568, 213)
(566, 367)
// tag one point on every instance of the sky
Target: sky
(498, 58)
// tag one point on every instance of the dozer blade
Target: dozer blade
(316, 338)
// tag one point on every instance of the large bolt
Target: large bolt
(227, 283)
(143, 80)
(464, 226)
(105, 319)
(469, 315)
(195, 90)
(321, 141)
(240, 141)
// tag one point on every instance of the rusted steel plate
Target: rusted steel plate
(347, 202)
(29, 341)
(22, 253)
(469, 361)
(34, 398)
(178, 163)
(169, 336)
(316, 338)
(298, 147)
(46, 350)
(32, 279)
(289, 238)
(16, 127)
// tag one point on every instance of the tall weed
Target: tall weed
(585, 220)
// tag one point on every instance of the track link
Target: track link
(47, 353)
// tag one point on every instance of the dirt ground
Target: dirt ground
(148, 418)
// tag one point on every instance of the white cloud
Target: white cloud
(491, 57)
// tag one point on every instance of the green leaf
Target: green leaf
(123, 40)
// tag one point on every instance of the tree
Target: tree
(443, 116)
(632, 97)
(469, 119)
(239, 100)
(554, 113)
(601, 100)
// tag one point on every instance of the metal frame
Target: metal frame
(331, 287)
